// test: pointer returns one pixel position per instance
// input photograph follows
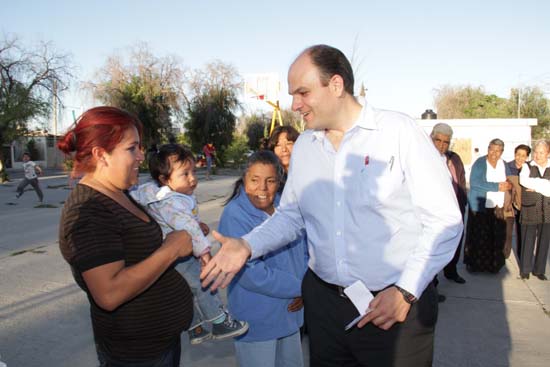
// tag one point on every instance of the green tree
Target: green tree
(211, 119)
(235, 154)
(146, 85)
(211, 111)
(256, 130)
(469, 102)
(29, 78)
(529, 102)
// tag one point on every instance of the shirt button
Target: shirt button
(338, 233)
(338, 203)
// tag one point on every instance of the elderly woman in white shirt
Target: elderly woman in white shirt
(535, 212)
(486, 227)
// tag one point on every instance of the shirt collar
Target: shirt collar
(365, 120)
(533, 163)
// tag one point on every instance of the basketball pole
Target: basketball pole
(276, 115)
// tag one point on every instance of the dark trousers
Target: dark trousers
(518, 235)
(34, 183)
(171, 358)
(450, 269)
(327, 313)
(536, 239)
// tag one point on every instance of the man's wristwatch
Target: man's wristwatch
(409, 297)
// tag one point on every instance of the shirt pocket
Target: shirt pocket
(379, 181)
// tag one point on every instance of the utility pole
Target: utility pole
(519, 103)
(54, 123)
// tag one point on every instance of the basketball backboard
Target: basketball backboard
(266, 86)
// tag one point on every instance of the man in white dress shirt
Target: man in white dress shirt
(378, 207)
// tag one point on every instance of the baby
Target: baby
(170, 200)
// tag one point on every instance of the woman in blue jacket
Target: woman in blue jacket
(486, 227)
(266, 292)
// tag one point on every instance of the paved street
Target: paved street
(492, 320)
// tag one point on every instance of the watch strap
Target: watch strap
(409, 297)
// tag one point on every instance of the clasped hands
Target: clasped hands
(387, 308)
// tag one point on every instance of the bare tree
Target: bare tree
(149, 86)
(29, 78)
(214, 75)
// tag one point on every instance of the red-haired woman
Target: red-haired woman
(139, 303)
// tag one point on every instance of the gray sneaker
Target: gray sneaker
(199, 335)
(229, 328)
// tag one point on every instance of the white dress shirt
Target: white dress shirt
(540, 185)
(380, 209)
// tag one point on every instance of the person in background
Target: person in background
(281, 142)
(379, 212)
(521, 155)
(209, 151)
(535, 212)
(441, 137)
(171, 201)
(267, 292)
(486, 227)
(139, 304)
(32, 170)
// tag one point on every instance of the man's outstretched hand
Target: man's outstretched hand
(227, 262)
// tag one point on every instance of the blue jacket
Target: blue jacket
(479, 186)
(263, 289)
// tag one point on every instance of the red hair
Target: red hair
(101, 127)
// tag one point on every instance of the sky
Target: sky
(402, 50)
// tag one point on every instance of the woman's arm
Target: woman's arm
(114, 283)
(257, 276)
(176, 213)
(260, 278)
(540, 185)
(478, 178)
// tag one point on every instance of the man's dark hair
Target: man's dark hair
(330, 61)
(160, 164)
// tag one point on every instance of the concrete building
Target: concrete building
(45, 151)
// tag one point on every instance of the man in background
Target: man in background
(209, 151)
(441, 137)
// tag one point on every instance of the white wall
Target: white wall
(469, 134)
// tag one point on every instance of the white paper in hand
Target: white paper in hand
(361, 297)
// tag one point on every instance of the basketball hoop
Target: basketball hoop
(265, 87)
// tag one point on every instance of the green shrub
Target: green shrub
(236, 154)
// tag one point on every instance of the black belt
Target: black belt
(338, 288)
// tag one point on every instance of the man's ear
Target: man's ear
(336, 84)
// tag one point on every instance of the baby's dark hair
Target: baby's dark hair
(161, 164)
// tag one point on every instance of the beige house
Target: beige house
(45, 153)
